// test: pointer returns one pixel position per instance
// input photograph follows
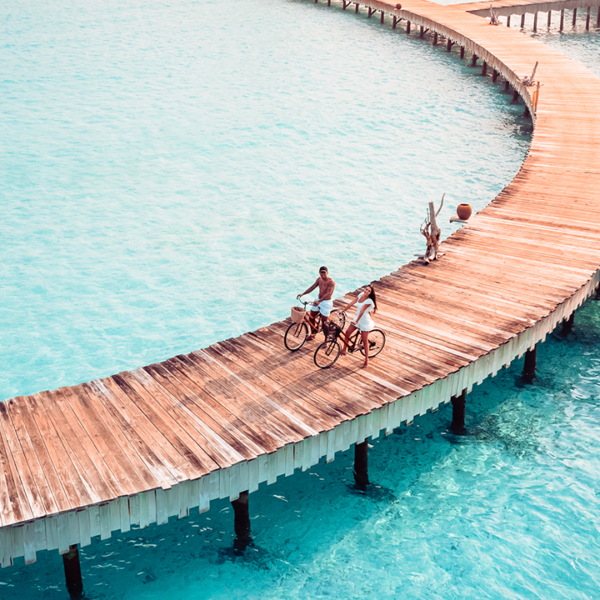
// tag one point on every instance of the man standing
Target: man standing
(324, 304)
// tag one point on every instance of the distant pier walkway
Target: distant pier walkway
(141, 446)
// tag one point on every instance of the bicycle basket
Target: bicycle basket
(298, 314)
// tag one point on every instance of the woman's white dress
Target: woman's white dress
(365, 323)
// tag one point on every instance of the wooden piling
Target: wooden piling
(382, 20)
(370, 11)
(241, 522)
(73, 573)
(535, 18)
(562, 19)
(422, 31)
(522, 20)
(530, 365)
(458, 414)
(506, 86)
(394, 21)
(508, 21)
(449, 44)
(435, 38)
(407, 26)
(462, 51)
(356, 7)
(474, 60)
(574, 17)
(515, 97)
(361, 465)
(549, 19)
(484, 69)
(495, 75)
(587, 18)
(567, 325)
(598, 18)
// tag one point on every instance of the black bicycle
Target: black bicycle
(329, 351)
(297, 332)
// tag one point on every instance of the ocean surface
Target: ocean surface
(173, 173)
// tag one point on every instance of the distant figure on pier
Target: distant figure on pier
(324, 304)
(366, 304)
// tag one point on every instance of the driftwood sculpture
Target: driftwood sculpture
(494, 20)
(529, 81)
(432, 232)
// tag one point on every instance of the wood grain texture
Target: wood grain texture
(208, 424)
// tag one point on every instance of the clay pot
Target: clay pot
(463, 211)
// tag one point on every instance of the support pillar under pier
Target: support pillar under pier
(574, 17)
(562, 20)
(458, 414)
(73, 573)
(361, 465)
(567, 325)
(241, 523)
(530, 364)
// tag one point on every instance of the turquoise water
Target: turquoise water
(149, 211)
(174, 173)
(509, 512)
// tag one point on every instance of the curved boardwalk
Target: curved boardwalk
(141, 446)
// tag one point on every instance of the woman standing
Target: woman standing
(366, 305)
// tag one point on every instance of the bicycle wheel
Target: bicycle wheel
(295, 336)
(376, 343)
(327, 353)
(337, 318)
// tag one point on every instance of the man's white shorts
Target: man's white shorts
(324, 307)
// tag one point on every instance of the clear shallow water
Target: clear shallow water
(174, 173)
(509, 512)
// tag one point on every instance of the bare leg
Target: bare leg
(347, 335)
(311, 319)
(365, 341)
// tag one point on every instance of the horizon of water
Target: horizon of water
(175, 175)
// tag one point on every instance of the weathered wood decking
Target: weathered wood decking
(144, 445)
(521, 7)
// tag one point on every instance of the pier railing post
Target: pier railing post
(241, 523)
(530, 364)
(458, 414)
(361, 465)
(73, 573)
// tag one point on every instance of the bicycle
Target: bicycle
(296, 333)
(329, 351)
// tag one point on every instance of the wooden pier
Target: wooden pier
(142, 446)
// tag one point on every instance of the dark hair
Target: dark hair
(373, 297)
(323, 269)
